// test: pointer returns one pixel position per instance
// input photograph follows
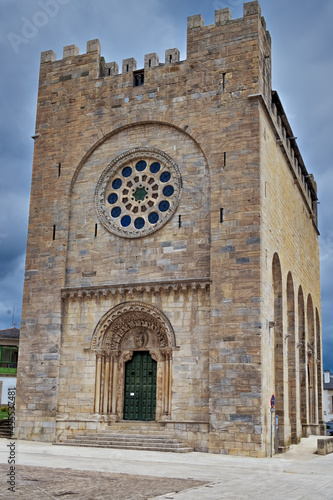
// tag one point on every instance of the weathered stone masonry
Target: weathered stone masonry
(171, 212)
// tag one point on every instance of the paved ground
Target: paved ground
(298, 474)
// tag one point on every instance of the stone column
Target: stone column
(106, 384)
(114, 386)
(98, 382)
(167, 383)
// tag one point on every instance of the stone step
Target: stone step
(108, 439)
(122, 446)
(126, 437)
(126, 442)
(114, 438)
(135, 428)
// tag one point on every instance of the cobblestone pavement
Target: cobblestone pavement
(51, 471)
(39, 483)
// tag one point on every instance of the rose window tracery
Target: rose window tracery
(138, 192)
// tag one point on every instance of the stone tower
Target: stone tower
(172, 271)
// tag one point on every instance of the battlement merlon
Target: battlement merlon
(194, 25)
(251, 11)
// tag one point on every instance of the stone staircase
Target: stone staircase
(136, 437)
(5, 429)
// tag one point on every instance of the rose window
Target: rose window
(138, 192)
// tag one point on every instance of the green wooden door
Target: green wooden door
(140, 387)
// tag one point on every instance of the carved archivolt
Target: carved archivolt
(129, 327)
(143, 322)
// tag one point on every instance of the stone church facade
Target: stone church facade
(172, 270)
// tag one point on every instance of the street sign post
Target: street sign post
(272, 411)
(276, 434)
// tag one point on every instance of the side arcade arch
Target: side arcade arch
(311, 362)
(319, 368)
(291, 358)
(126, 329)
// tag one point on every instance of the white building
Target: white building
(328, 396)
(9, 341)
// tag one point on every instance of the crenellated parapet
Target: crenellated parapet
(195, 26)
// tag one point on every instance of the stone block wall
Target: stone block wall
(205, 113)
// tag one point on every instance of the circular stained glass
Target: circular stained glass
(127, 171)
(116, 184)
(168, 191)
(144, 184)
(139, 223)
(164, 206)
(125, 221)
(153, 217)
(140, 194)
(155, 167)
(165, 176)
(141, 165)
(115, 212)
(113, 198)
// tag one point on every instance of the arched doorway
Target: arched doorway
(140, 387)
(133, 343)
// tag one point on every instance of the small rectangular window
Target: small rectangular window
(221, 215)
(54, 232)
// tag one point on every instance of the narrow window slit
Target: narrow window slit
(221, 215)
(95, 230)
(223, 81)
(54, 232)
(179, 221)
(224, 159)
(170, 58)
(59, 169)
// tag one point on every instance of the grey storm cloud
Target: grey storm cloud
(302, 74)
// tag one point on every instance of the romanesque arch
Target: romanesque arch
(278, 345)
(128, 328)
(311, 362)
(319, 368)
(302, 356)
(291, 353)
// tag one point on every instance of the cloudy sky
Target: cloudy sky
(301, 31)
